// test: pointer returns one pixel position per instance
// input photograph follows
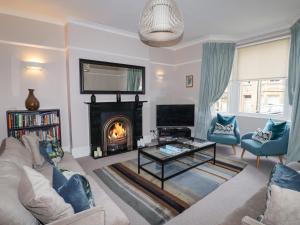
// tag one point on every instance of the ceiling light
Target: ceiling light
(161, 23)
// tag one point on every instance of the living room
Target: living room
(42, 43)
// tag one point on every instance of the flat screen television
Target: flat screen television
(175, 115)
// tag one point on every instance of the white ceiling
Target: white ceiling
(227, 18)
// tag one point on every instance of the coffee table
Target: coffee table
(163, 163)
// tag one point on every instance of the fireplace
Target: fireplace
(117, 134)
(115, 127)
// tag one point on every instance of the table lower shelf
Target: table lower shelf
(166, 171)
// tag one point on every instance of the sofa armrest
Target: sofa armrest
(250, 221)
(93, 216)
(247, 136)
(275, 147)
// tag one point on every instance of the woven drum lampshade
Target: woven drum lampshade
(161, 23)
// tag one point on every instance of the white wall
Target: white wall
(27, 40)
(57, 86)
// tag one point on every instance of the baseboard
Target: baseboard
(81, 151)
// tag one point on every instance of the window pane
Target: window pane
(272, 96)
(248, 96)
(222, 104)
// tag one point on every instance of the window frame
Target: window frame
(286, 107)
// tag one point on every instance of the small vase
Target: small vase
(32, 103)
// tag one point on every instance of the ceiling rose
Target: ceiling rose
(161, 23)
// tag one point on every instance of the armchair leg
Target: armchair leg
(243, 152)
(257, 161)
(280, 159)
(234, 150)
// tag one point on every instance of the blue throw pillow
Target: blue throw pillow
(285, 177)
(51, 151)
(76, 190)
(225, 120)
(277, 129)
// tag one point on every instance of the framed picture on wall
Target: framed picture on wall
(189, 81)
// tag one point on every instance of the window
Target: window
(262, 73)
(262, 96)
(222, 105)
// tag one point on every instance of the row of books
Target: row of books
(53, 133)
(21, 120)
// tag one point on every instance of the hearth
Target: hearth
(115, 127)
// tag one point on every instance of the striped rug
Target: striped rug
(143, 193)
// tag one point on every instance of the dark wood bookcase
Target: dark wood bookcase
(42, 122)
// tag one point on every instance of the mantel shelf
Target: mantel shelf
(96, 103)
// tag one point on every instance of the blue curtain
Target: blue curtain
(217, 60)
(134, 77)
(294, 93)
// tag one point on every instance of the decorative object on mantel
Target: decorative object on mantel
(118, 97)
(32, 103)
(189, 81)
(161, 23)
(137, 98)
(93, 98)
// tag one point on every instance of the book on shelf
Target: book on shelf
(53, 132)
(26, 120)
(44, 123)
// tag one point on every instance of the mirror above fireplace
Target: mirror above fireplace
(97, 77)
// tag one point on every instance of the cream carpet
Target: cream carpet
(211, 210)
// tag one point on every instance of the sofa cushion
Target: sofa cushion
(67, 162)
(51, 151)
(224, 129)
(283, 207)
(75, 190)
(223, 139)
(225, 120)
(262, 136)
(11, 209)
(31, 143)
(16, 152)
(40, 198)
(252, 146)
(277, 129)
(113, 214)
(285, 177)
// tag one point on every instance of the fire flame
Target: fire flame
(117, 131)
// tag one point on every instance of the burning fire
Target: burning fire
(117, 131)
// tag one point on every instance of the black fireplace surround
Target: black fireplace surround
(127, 114)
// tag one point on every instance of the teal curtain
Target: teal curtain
(294, 93)
(217, 60)
(134, 77)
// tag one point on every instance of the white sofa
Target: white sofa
(13, 156)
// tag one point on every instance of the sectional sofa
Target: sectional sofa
(13, 156)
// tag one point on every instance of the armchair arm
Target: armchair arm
(275, 147)
(93, 216)
(250, 221)
(247, 136)
(237, 134)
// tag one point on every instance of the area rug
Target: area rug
(143, 193)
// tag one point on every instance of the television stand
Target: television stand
(174, 132)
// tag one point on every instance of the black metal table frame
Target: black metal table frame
(172, 158)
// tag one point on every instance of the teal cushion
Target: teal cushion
(225, 120)
(223, 139)
(277, 129)
(252, 146)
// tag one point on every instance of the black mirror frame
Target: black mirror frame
(82, 91)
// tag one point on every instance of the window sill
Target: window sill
(263, 116)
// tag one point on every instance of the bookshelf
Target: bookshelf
(42, 122)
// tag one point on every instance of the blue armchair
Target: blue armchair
(232, 140)
(277, 147)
